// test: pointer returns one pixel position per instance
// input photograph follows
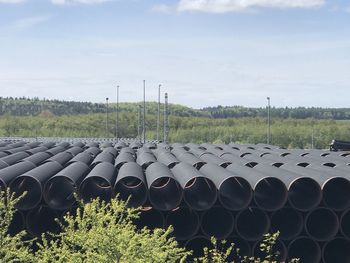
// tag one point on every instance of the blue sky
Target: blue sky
(203, 52)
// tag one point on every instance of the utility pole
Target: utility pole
(158, 114)
(106, 117)
(144, 112)
(268, 121)
(139, 122)
(117, 117)
(166, 120)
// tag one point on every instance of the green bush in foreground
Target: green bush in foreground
(105, 232)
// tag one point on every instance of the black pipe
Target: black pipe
(82, 157)
(168, 159)
(217, 222)
(135, 145)
(191, 159)
(48, 145)
(288, 221)
(33, 144)
(305, 249)
(12, 159)
(200, 192)
(92, 145)
(127, 150)
(241, 249)
(59, 190)
(252, 223)
(32, 182)
(270, 193)
(74, 150)
(211, 158)
(185, 222)
(99, 182)
(150, 218)
(40, 220)
(165, 193)
(62, 158)
(197, 245)
(336, 251)
(17, 223)
(93, 151)
(2, 154)
(119, 145)
(8, 174)
(111, 151)
(123, 158)
(37, 150)
(55, 150)
(145, 158)
(37, 158)
(78, 144)
(345, 223)
(17, 150)
(131, 183)
(103, 157)
(321, 224)
(279, 250)
(235, 192)
(64, 144)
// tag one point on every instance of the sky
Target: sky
(202, 52)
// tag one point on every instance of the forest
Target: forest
(48, 118)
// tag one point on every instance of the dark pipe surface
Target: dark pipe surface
(17, 150)
(14, 158)
(197, 244)
(99, 182)
(279, 251)
(165, 193)
(235, 192)
(74, 150)
(127, 150)
(103, 157)
(211, 158)
(345, 223)
(252, 223)
(151, 218)
(217, 222)
(131, 183)
(185, 222)
(93, 151)
(82, 157)
(270, 193)
(17, 223)
(59, 190)
(191, 159)
(32, 182)
(37, 150)
(337, 251)
(40, 220)
(305, 249)
(288, 221)
(123, 158)
(200, 192)
(111, 151)
(62, 158)
(322, 224)
(144, 159)
(55, 150)
(8, 174)
(241, 249)
(168, 159)
(37, 158)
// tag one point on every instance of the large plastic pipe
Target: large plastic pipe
(106, 145)
(17, 150)
(2, 154)
(55, 150)
(197, 245)
(217, 222)
(62, 158)
(32, 182)
(150, 218)
(8, 174)
(131, 183)
(168, 159)
(145, 159)
(321, 224)
(37, 150)
(135, 145)
(59, 190)
(12, 159)
(211, 158)
(111, 151)
(74, 150)
(64, 144)
(200, 192)
(119, 145)
(82, 157)
(252, 223)
(189, 158)
(235, 192)
(165, 193)
(241, 249)
(345, 223)
(279, 250)
(127, 150)
(123, 158)
(48, 145)
(93, 151)
(40, 220)
(99, 182)
(288, 221)
(103, 157)
(336, 251)
(78, 144)
(17, 224)
(185, 222)
(37, 158)
(92, 145)
(270, 193)
(305, 249)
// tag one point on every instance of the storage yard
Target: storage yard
(233, 192)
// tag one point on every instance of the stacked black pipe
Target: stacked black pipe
(233, 192)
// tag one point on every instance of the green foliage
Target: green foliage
(105, 232)
(12, 248)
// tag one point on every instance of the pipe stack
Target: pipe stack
(237, 192)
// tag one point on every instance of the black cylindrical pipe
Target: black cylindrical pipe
(37, 150)
(17, 150)
(59, 190)
(241, 249)
(345, 223)
(82, 157)
(74, 150)
(135, 145)
(197, 245)
(191, 159)
(106, 145)
(270, 193)
(305, 249)
(64, 144)
(123, 158)
(127, 150)
(8, 174)
(131, 183)
(288, 221)
(119, 145)
(200, 193)
(185, 222)
(145, 159)
(55, 150)
(62, 158)
(211, 158)
(48, 145)
(93, 151)
(151, 218)
(78, 144)
(40, 220)
(168, 159)
(37, 158)
(321, 224)
(17, 223)
(235, 192)
(12, 159)
(103, 157)
(252, 223)
(99, 182)
(336, 251)
(217, 222)
(32, 182)
(111, 150)
(279, 250)
(92, 145)
(165, 193)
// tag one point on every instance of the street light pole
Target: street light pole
(144, 112)
(117, 117)
(106, 117)
(158, 115)
(268, 121)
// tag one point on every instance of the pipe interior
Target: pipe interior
(288, 222)
(241, 249)
(95, 186)
(217, 222)
(150, 218)
(270, 194)
(197, 244)
(345, 224)
(41, 220)
(336, 193)
(278, 249)
(59, 193)
(252, 224)
(322, 224)
(32, 189)
(134, 188)
(185, 222)
(337, 251)
(200, 193)
(165, 193)
(305, 249)
(235, 193)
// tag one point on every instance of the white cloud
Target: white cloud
(72, 2)
(223, 6)
(162, 8)
(29, 22)
(11, 1)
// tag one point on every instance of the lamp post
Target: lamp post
(144, 112)
(106, 117)
(268, 121)
(117, 117)
(158, 114)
